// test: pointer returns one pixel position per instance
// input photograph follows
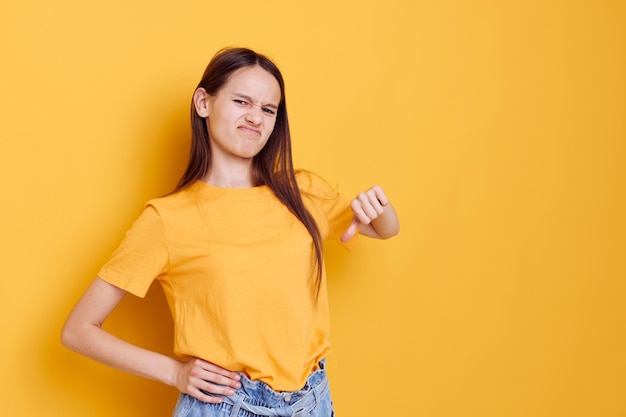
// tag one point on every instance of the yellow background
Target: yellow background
(497, 128)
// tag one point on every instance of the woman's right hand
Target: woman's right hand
(84, 334)
(197, 375)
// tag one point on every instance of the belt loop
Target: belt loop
(236, 406)
(316, 395)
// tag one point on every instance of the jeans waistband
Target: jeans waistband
(258, 398)
(300, 408)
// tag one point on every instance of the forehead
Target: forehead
(254, 82)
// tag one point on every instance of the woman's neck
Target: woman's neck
(236, 175)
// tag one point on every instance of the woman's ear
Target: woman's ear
(201, 102)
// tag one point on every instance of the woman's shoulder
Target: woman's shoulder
(313, 184)
(176, 199)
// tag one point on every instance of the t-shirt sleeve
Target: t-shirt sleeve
(141, 257)
(332, 206)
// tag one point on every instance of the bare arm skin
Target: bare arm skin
(83, 333)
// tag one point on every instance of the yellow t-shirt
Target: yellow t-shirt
(237, 269)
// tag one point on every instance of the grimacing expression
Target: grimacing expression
(241, 116)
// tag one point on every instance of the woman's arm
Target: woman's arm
(83, 333)
(374, 216)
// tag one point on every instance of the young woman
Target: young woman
(237, 248)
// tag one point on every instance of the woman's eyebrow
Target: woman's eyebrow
(248, 98)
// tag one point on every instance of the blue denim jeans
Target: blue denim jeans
(256, 398)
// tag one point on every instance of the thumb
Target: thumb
(352, 230)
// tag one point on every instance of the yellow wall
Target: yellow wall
(497, 128)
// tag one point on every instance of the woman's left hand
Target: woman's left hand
(373, 216)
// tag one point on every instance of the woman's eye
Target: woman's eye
(269, 111)
(240, 102)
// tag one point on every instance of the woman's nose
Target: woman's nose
(254, 114)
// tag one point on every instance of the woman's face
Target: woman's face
(241, 116)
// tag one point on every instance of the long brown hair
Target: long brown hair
(273, 165)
